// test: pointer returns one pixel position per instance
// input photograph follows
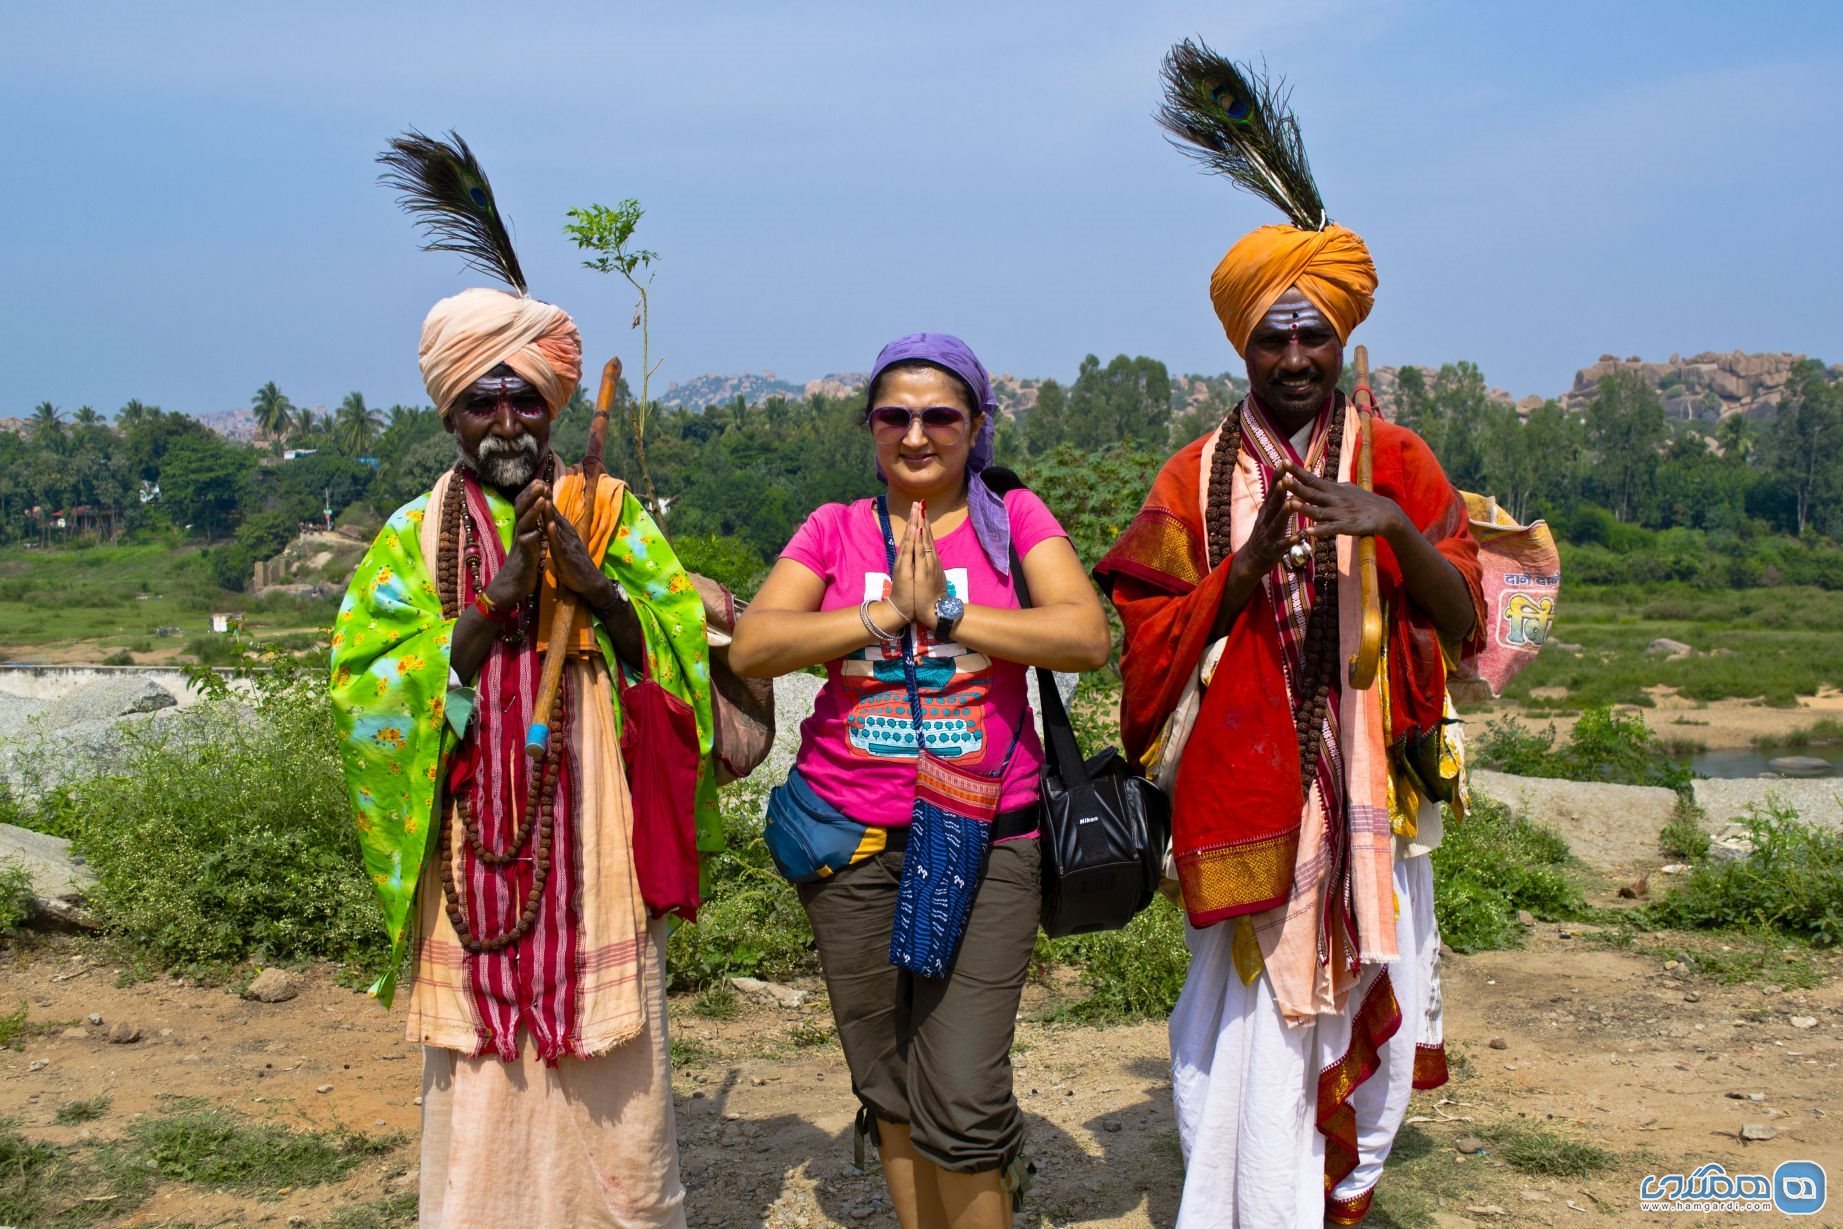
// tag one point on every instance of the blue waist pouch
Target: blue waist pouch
(810, 839)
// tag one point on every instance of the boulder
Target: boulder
(107, 699)
(60, 881)
(1675, 648)
(273, 986)
(1607, 826)
(1801, 766)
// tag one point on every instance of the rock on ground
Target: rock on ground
(1817, 801)
(59, 881)
(1607, 826)
(273, 986)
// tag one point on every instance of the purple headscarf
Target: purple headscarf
(984, 507)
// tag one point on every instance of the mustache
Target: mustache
(494, 446)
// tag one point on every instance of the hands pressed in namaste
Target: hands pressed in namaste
(918, 580)
(517, 579)
(537, 526)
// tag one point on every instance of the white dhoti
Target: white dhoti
(586, 1143)
(1252, 1092)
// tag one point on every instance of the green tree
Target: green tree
(1127, 400)
(1808, 440)
(274, 413)
(609, 232)
(356, 425)
(48, 427)
(1047, 423)
(201, 479)
(134, 414)
(1625, 430)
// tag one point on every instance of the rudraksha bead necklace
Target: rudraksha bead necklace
(1312, 691)
(456, 550)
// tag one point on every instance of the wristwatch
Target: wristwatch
(948, 611)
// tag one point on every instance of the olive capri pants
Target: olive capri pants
(934, 1054)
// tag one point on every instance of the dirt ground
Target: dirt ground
(1716, 724)
(1601, 1045)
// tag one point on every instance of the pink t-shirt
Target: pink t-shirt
(857, 750)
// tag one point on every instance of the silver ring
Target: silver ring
(1297, 556)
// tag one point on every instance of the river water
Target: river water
(1751, 763)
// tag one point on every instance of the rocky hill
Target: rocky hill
(1702, 388)
(712, 388)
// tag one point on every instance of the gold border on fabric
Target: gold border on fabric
(1429, 1066)
(1376, 1021)
(1238, 876)
(1348, 1211)
(1158, 540)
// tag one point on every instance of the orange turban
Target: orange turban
(471, 333)
(1331, 267)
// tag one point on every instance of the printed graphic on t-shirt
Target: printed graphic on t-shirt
(953, 681)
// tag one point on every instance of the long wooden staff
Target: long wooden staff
(1369, 647)
(568, 609)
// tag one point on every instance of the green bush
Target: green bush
(16, 905)
(1792, 883)
(1604, 746)
(751, 923)
(1131, 974)
(731, 561)
(1490, 866)
(226, 838)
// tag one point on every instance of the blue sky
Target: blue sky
(192, 210)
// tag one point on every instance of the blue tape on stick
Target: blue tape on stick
(538, 736)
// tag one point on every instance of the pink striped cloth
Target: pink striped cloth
(1341, 913)
(573, 981)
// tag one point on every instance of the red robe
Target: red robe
(1237, 793)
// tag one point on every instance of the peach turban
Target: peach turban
(471, 333)
(1331, 267)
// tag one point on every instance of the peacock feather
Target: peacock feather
(1237, 123)
(448, 195)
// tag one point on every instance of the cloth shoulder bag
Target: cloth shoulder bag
(659, 751)
(1105, 828)
(1521, 578)
(742, 708)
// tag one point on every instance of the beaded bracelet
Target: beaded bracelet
(503, 617)
(870, 624)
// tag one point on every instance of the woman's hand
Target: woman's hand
(517, 578)
(1340, 508)
(930, 578)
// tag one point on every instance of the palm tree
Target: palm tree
(355, 425)
(86, 416)
(134, 414)
(274, 412)
(48, 426)
(304, 424)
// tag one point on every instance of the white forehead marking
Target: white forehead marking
(1293, 310)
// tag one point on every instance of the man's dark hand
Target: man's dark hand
(518, 578)
(1341, 508)
(575, 571)
(1269, 539)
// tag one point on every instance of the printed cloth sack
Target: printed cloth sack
(743, 708)
(659, 750)
(1522, 582)
(950, 830)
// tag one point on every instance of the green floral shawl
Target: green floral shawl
(392, 704)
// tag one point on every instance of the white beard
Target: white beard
(508, 465)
